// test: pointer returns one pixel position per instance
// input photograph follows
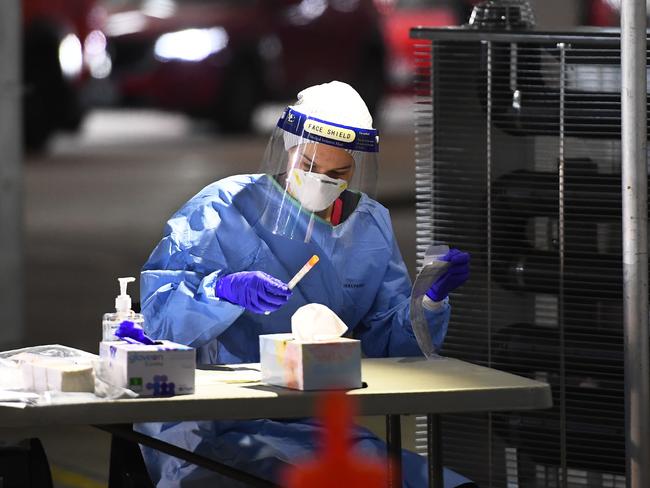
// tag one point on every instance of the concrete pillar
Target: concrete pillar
(11, 191)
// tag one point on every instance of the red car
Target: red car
(221, 58)
(398, 17)
(603, 13)
(62, 46)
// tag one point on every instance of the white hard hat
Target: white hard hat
(334, 102)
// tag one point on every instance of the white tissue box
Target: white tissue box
(329, 365)
(161, 369)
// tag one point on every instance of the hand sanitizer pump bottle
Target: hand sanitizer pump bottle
(112, 320)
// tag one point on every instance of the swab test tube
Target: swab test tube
(303, 271)
(300, 274)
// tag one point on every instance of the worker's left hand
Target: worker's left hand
(457, 273)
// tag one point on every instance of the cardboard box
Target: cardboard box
(330, 365)
(162, 369)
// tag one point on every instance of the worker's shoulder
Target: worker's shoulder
(227, 188)
(221, 193)
(374, 208)
(379, 214)
(216, 199)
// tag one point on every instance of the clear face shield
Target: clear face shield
(317, 173)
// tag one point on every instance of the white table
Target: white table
(395, 386)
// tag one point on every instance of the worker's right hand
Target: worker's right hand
(254, 290)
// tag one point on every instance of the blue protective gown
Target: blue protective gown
(361, 276)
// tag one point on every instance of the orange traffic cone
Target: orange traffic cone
(336, 465)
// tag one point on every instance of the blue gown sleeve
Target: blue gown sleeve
(177, 282)
(386, 329)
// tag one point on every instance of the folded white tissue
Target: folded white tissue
(315, 322)
(314, 356)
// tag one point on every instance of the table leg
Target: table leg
(434, 450)
(127, 467)
(394, 446)
(126, 432)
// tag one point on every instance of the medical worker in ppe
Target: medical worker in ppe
(218, 279)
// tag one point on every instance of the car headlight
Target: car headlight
(70, 56)
(95, 55)
(191, 44)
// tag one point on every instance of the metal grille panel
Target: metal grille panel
(518, 161)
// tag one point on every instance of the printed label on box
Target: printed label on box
(163, 369)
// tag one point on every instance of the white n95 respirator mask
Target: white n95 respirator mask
(314, 191)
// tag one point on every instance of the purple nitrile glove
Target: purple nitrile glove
(254, 290)
(456, 274)
(128, 330)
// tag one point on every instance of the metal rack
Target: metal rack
(518, 160)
